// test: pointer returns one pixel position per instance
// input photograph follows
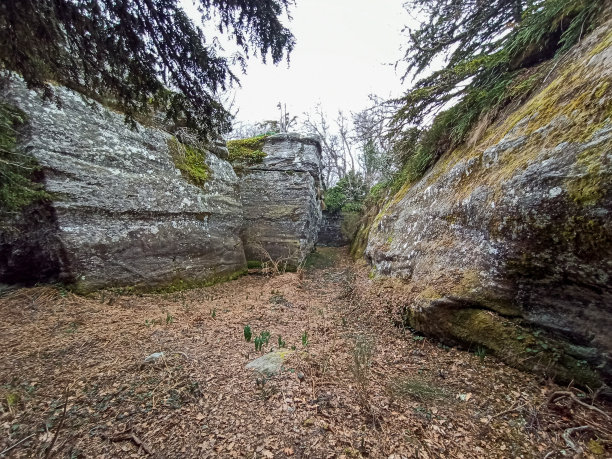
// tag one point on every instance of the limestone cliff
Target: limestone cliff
(280, 198)
(506, 243)
(122, 213)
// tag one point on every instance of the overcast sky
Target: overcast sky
(345, 50)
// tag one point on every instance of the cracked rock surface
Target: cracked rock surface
(507, 244)
(122, 214)
(280, 198)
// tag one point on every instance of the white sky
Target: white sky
(345, 50)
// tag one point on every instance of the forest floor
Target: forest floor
(74, 382)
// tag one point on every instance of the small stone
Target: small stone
(153, 357)
(301, 376)
(270, 363)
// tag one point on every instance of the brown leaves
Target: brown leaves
(209, 405)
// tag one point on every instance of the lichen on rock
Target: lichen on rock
(280, 198)
(126, 211)
(515, 228)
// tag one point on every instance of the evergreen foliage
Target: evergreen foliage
(347, 195)
(490, 48)
(139, 55)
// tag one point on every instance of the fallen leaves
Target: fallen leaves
(416, 399)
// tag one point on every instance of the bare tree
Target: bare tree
(375, 140)
(285, 122)
(336, 142)
(361, 142)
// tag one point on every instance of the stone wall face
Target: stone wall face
(330, 233)
(122, 214)
(516, 231)
(280, 198)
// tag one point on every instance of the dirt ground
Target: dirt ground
(74, 382)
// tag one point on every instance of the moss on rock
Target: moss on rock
(247, 150)
(191, 161)
(171, 286)
(507, 339)
(18, 187)
(588, 189)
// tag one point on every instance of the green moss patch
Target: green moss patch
(323, 257)
(190, 161)
(180, 284)
(176, 285)
(588, 189)
(18, 187)
(247, 150)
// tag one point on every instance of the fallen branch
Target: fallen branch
(129, 437)
(59, 426)
(515, 407)
(568, 440)
(16, 444)
(555, 395)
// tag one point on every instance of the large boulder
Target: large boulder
(506, 244)
(281, 199)
(122, 212)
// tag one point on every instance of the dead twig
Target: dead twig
(59, 426)
(515, 407)
(555, 395)
(180, 353)
(129, 436)
(16, 444)
(568, 440)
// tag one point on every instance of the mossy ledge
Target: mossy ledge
(508, 339)
(176, 285)
(247, 150)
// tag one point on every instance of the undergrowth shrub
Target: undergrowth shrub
(347, 195)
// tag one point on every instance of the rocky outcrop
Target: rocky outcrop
(280, 198)
(122, 213)
(507, 244)
(331, 233)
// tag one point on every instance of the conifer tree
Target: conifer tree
(482, 44)
(139, 54)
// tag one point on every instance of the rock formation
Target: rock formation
(280, 198)
(122, 213)
(507, 243)
(331, 233)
